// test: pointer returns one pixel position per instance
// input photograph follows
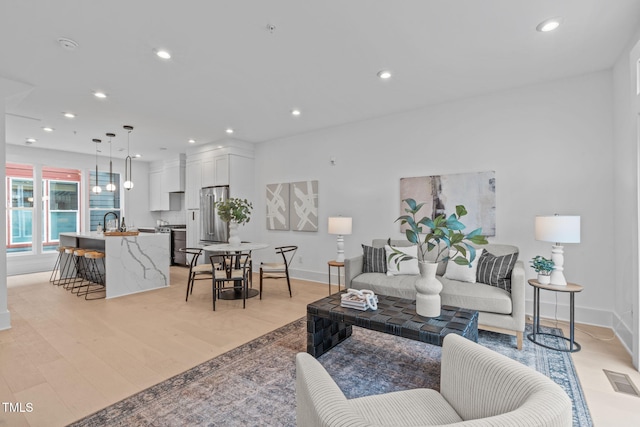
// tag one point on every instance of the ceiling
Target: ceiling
(229, 69)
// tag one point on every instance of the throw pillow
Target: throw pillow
(496, 270)
(375, 260)
(463, 273)
(404, 267)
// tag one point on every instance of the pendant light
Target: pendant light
(96, 188)
(128, 181)
(110, 186)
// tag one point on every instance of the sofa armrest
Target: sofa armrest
(352, 269)
(319, 400)
(480, 383)
(518, 284)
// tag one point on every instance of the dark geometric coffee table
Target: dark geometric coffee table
(328, 324)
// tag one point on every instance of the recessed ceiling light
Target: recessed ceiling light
(69, 115)
(31, 140)
(384, 74)
(137, 156)
(47, 129)
(229, 131)
(100, 95)
(295, 112)
(163, 54)
(192, 141)
(549, 25)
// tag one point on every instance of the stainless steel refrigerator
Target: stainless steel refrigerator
(212, 228)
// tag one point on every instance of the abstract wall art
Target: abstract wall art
(278, 206)
(441, 193)
(304, 206)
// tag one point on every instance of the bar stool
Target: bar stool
(77, 283)
(56, 267)
(65, 272)
(95, 277)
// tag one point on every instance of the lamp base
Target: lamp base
(557, 275)
(340, 256)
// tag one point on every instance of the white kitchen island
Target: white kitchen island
(132, 263)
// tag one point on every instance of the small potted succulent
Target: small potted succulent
(543, 267)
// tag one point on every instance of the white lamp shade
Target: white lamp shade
(558, 228)
(339, 225)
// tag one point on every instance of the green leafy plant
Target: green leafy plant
(444, 233)
(542, 265)
(234, 209)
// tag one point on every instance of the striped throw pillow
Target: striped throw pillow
(496, 270)
(374, 260)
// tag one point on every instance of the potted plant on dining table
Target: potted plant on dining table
(235, 212)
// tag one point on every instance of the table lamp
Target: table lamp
(340, 225)
(558, 229)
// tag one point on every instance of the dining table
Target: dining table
(236, 293)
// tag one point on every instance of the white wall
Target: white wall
(549, 144)
(135, 202)
(625, 213)
(10, 91)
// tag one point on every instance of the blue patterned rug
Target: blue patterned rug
(254, 385)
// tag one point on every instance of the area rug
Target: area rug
(254, 384)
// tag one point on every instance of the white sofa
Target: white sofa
(478, 387)
(499, 310)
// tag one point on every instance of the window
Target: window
(103, 202)
(19, 181)
(60, 197)
(61, 202)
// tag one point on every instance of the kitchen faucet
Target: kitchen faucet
(104, 220)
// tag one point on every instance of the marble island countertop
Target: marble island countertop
(99, 236)
(132, 263)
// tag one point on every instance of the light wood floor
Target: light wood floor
(69, 357)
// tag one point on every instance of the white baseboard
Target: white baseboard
(5, 320)
(623, 332)
(315, 276)
(583, 315)
(25, 264)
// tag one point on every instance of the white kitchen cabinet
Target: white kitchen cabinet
(221, 169)
(159, 199)
(155, 191)
(193, 228)
(166, 179)
(193, 185)
(173, 174)
(208, 171)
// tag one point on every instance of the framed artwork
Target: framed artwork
(304, 206)
(442, 193)
(278, 206)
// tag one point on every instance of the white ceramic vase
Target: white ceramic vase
(428, 290)
(234, 237)
(544, 279)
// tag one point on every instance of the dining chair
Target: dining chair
(232, 276)
(196, 271)
(278, 270)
